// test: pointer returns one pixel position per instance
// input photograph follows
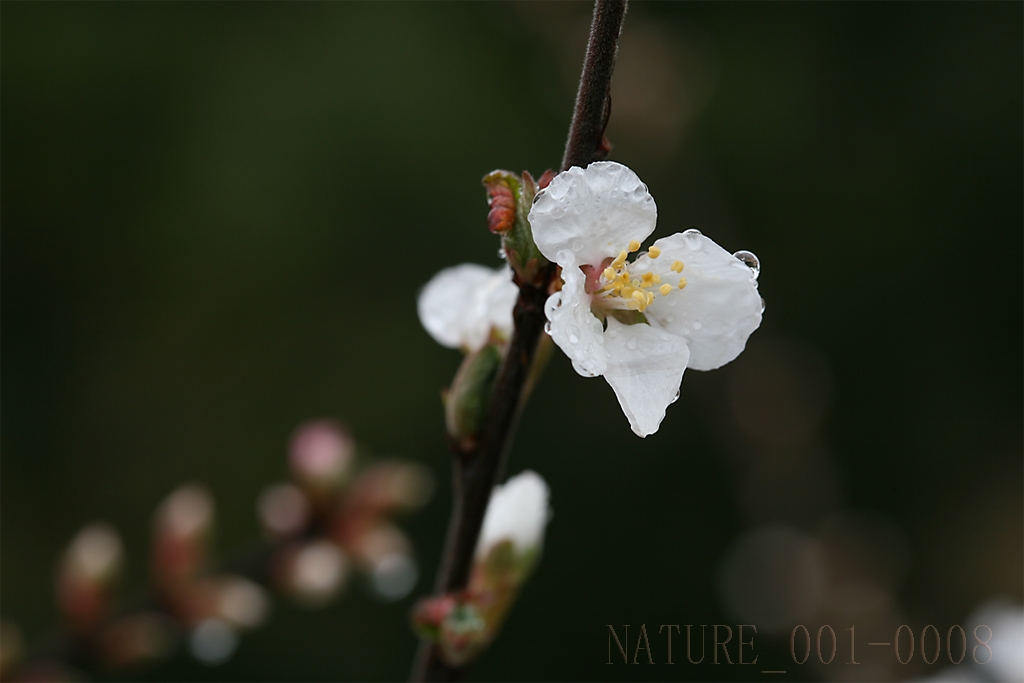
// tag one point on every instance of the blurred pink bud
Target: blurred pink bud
(182, 523)
(240, 602)
(321, 456)
(386, 487)
(88, 568)
(135, 639)
(187, 512)
(95, 554)
(377, 543)
(313, 573)
(11, 645)
(428, 614)
(283, 510)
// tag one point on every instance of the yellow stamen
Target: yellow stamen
(640, 296)
(656, 279)
(665, 289)
(654, 252)
(682, 282)
(648, 278)
(619, 261)
(677, 266)
(634, 245)
(609, 274)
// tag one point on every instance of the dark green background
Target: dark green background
(216, 218)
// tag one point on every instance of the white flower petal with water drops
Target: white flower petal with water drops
(461, 305)
(645, 368)
(684, 303)
(592, 213)
(719, 307)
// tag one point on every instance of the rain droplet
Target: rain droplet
(762, 304)
(669, 319)
(574, 334)
(697, 326)
(547, 327)
(631, 344)
(577, 245)
(538, 196)
(692, 232)
(692, 237)
(674, 398)
(750, 261)
(502, 255)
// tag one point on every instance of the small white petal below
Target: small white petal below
(460, 305)
(717, 310)
(645, 369)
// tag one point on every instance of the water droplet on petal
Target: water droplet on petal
(674, 398)
(547, 327)
(574, 334)
(762, 304)
(750, 261)
(502, 255)
(669, 319)
(577, 244)
(631, 344)
(692, 237)
(697, 326)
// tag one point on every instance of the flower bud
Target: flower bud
(513, 528)
(312, 573)
(510, 197)
(283, 511)
(182, 525)
(386, 487)
(321, 455)
(88, 569)
(468, 400)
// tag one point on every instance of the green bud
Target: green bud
(510, 197)
(469, 397)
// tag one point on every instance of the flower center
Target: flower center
(622, 289)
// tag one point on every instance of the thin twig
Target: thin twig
(477, 471)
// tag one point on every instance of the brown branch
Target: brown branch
(477, 471)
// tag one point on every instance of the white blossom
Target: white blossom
(685, 303)
(462, 305)
(517, 512)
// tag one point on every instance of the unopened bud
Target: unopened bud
(95, 554)
(517, 514)
(313, 573)
(241, 603)
(283, 510)
(321, 455)
(510, 197)
(468, 400)
(88, 569)
(388, 486)
(181, 527)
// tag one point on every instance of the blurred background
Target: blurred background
(216, 219)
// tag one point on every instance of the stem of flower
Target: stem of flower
(477, 471)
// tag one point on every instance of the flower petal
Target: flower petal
(593, 212)
(645, 368)
(460, 305)
(719, 307)
(573, 327)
